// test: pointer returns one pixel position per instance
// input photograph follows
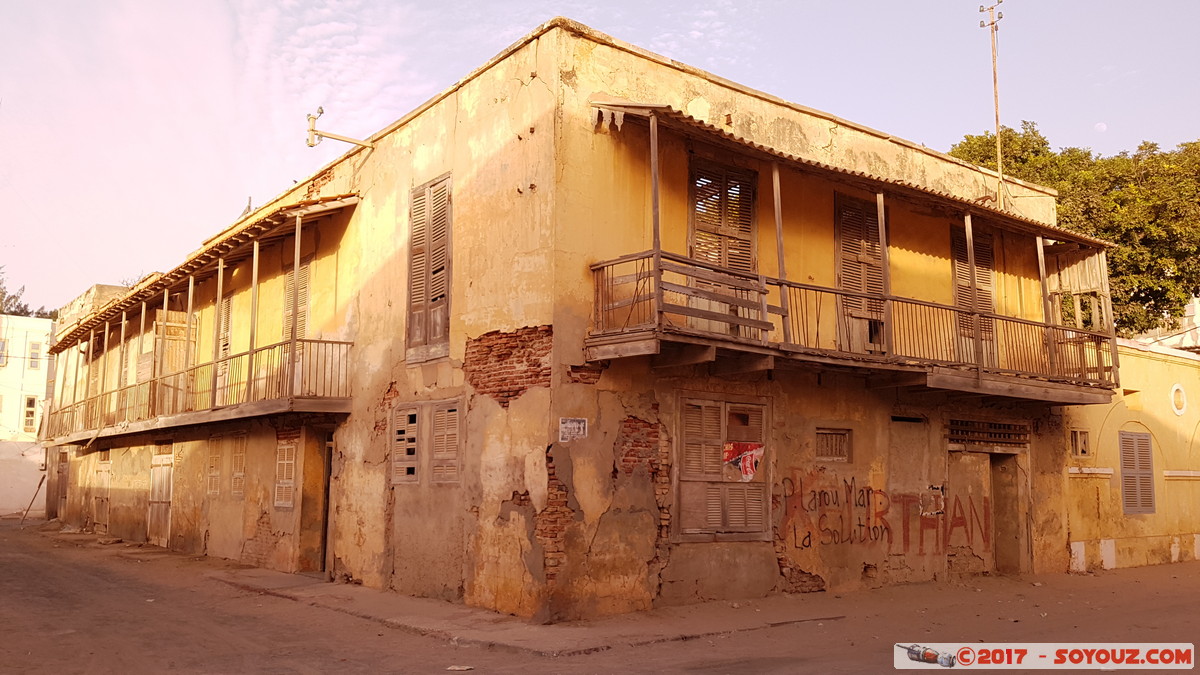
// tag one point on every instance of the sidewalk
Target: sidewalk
(989, 609)
(464, 625)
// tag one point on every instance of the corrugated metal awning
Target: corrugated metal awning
(232, 244)
(670, 117)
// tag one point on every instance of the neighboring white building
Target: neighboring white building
(25, 373)
(1186, 336)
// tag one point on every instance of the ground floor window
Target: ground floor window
(722, 487)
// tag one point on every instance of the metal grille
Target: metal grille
(833, 444)
(988, 434)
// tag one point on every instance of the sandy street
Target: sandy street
(69, 604)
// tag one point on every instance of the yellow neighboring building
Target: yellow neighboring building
(592, 331)
(1133, 481)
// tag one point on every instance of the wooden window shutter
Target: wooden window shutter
(285, 471)
(445, 445)
(723, 208)
(215, 448)
(860, 255)
(429, 265)
(405, 437)
(703, 439)
(1137, 472)
(224, 317)
(985, 267)
(746, 507)
(292, 287)
(237, 485)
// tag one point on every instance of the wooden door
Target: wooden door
(968, 532)
(64, 466)
(100, 498)
(159, 522)
(170, 333)
(860, 271)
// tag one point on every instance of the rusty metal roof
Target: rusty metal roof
(261, 225)
(672, 117)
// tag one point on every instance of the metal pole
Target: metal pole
(784, 292)
(253, 324)
(992, 26)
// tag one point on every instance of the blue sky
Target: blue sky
(134, 129)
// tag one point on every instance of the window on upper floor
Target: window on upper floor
(295, 298)
(35, 355)
(1137, 472)
(722, 215)
(1081, 445)
(721, 488)
(3, 352)
(429, 271)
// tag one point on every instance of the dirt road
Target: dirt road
(71, 605)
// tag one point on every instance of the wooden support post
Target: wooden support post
(216, 341)
(977, 321)
(1110, 320)
(784, 293)
(1047, 308)
(104, 362)
(684, 355)
(185, 387)
(253, 323)
(123, 372)
(655, 220)
(748, 363)
(292, 360)
(87, 386)
(75, 385)
(885, 264)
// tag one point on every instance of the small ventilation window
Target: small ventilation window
(988, 435)
(1081, 445)
(833, 445)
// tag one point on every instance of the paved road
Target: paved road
(70, 605)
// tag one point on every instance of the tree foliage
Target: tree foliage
(12, 304)
(1146, 202)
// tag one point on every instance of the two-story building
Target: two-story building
(593, 330)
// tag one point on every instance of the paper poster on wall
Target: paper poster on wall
(571, 428)
(744, 457)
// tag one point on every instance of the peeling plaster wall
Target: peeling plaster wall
(1160, 396)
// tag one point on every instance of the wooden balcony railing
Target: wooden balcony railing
(319, 370)
(682, 295)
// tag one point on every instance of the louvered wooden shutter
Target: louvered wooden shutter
(745, 507)
(404, 445)
(1137, 472)
(444, 467)
(723, 200)
(215, 450)
(285, 473)
(860, 256)
(703, 439)
(429, 265)
(224, 317)
(985, 266)
(238, 473)
(291, 288)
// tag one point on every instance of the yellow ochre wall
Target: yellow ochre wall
(1102, 536)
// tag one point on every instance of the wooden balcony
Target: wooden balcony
(266, 380)
(687, 311)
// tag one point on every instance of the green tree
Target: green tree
(1146, 202)
(12, 304)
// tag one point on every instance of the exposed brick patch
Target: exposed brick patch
(587, 373)
(319, 181)
(506, 365)
(550, 524)
(256, 550)
(795, 580)
(638, 446)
